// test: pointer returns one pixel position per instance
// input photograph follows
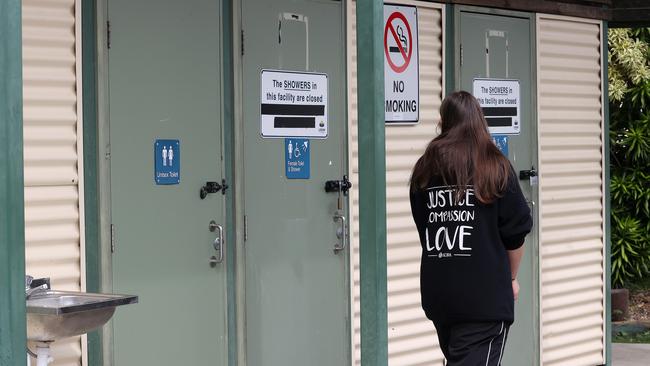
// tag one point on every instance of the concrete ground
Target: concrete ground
(628, 354)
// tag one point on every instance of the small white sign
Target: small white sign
(401, 68)
(501, 103)
(293, 104)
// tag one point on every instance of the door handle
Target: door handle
(218, 243)
(341, 233)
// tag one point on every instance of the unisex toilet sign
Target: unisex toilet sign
(293, 104)
(401, 68)
(500, 100)
(167, 162)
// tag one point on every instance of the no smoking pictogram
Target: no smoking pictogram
(398, 42)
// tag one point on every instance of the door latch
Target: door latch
(338, 185)
(213, 187)
(527, 174)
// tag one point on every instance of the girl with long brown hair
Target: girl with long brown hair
(472, 219)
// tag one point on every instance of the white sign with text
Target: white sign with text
(401, 68)
(293, 104)
(501, 103)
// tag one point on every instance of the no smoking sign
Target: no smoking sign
(401, 69)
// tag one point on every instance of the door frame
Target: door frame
(91, 161)
(532, 18)
(238, 229)
(102, 352)
(96, 94)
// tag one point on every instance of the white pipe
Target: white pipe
(43, 354)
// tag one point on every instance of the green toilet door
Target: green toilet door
(297, 286)
(500, 47)
(165, 83)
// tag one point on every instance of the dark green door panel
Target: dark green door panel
(509, 56)
(165, 83)
(297, 307)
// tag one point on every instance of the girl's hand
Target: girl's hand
(515, 288)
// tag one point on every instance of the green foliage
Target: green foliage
(630, 252)
(628, 66)
(629, 97)
(631, 333)
(630, 337)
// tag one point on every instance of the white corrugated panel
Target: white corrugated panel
(411, 336)
(571, 191)
(53, 220)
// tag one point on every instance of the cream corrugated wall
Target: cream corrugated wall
(53, 223)
(411, 337)
(571, 191)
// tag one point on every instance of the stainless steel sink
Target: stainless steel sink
(52, 315)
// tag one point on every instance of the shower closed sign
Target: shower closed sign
(293, 104)
(501, 103)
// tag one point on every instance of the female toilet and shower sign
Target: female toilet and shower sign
(297, 158)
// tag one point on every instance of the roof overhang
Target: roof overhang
(619, 13)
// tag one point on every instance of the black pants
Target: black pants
(473, 344)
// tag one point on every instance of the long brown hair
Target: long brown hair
(463, 154)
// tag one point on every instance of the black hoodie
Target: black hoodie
(465, 270)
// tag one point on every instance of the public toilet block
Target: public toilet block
(558, 61)
(199, 154)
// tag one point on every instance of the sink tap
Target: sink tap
(34, 290)
(33, 286)
(28, 282)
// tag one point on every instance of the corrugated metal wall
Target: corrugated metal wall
(411, 337)
(571, 191)
(53, 223)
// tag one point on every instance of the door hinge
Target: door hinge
(245, 227)
(242, 42)
(461, 54)
(108, 35)
(112, 238)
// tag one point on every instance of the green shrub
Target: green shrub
(629, 105)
